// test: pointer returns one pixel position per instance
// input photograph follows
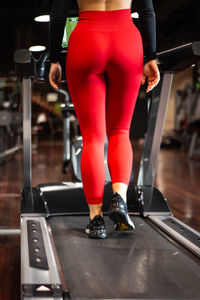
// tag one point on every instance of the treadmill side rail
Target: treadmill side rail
(179, 231)
(40, 291)
(37, 253)
(37, 282)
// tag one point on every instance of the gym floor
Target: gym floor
(177, 178)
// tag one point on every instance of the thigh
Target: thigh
(86, 83)
(124, 76)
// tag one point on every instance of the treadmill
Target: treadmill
(160, 260)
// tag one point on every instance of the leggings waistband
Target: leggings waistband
(106, 20)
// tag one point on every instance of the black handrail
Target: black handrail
(172, 60)
(179, 58)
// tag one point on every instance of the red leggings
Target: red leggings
(104, 70)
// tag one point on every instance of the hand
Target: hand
(152, 74)
(55, 75)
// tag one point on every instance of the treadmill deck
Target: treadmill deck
(126, 265)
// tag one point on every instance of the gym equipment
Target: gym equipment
(10, 133)
(194, 143)
(69, 141)
(10, 119)
(58, 261)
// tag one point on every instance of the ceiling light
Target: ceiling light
(37, 48)
(43, 18)
(135, 15)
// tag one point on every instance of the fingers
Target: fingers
(54, 84)
(55, 75)
(54, 81)
(152, 83)
(143, 80)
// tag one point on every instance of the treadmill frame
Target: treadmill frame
(50, 286)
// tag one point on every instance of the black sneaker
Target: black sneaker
(96, 228)
(118, 213)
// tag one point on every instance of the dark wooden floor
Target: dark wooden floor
(177, 177)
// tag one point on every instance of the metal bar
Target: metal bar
(154, 133)
(62, 278)
(193, 144)
(66, 128)
(9, 152)
(159, 221)
(27, 132)
(66, 137)
(1, 141)
(175, 48)
(10, 231)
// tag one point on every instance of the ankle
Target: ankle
(122, 195)
(95, 210)
(121, 189)
(92, 216)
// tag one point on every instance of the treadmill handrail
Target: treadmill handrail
(172, 60)
(179, 58)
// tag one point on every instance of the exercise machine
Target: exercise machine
(160, 260)
(10, 133)
(10, 119)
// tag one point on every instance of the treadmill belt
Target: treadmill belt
(143, 265)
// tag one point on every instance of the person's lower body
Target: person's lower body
(104, 70)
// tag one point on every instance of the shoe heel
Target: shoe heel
(121, 222)
(117, 216)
